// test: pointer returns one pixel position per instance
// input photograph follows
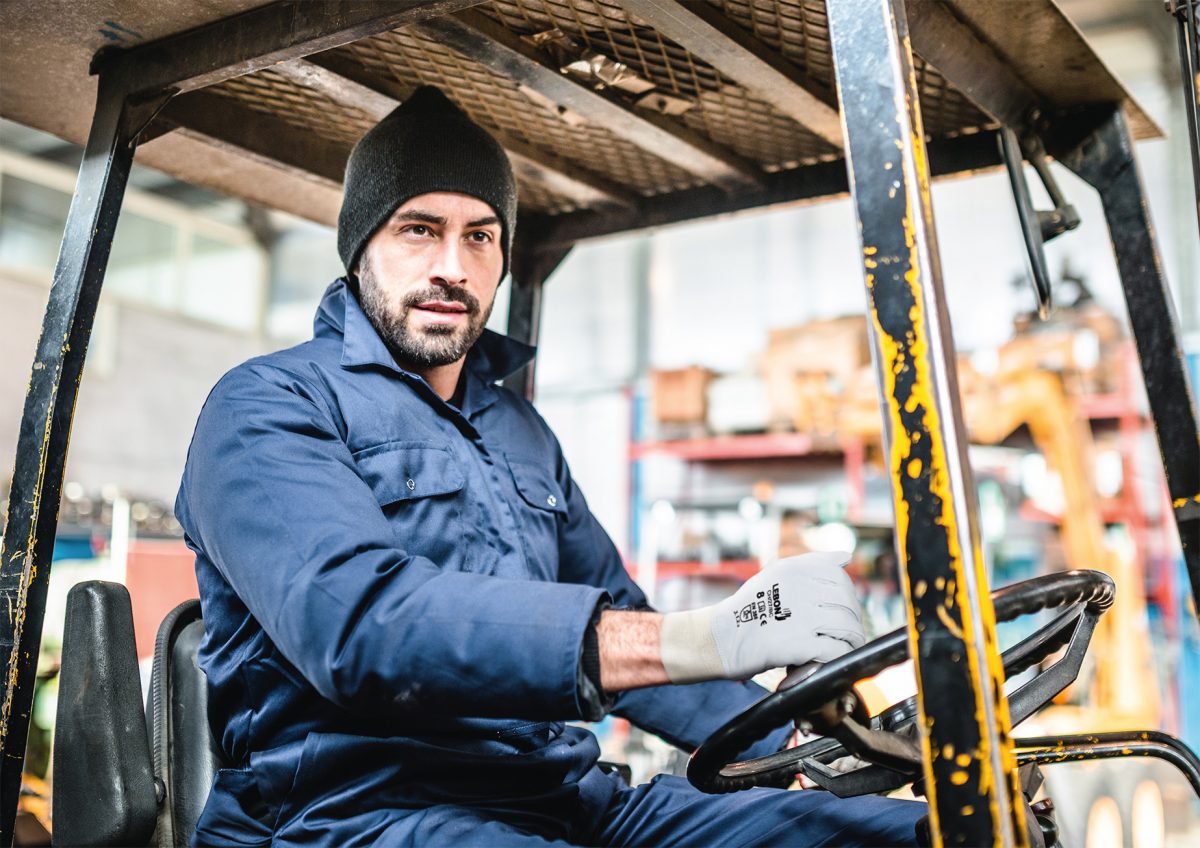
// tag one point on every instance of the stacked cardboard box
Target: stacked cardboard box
(680, 396)
(816, 402)
(807, 366)
(737, 403)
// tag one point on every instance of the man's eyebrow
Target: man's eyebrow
(483, 222)
(418, 215)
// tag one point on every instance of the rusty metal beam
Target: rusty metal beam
(1106, 160)
(260, 38)
(960, 155)
(531, 266)
(343, 81)
(225, 123)
(971, 64)
(969, 769)
(481, 39)
(337, 87)
(703, 31)
(33, 500)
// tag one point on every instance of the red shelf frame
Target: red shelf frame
(751, 446)
(741, 569)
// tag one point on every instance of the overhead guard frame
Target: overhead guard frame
(162, 86)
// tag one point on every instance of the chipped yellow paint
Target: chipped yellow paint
(940, 583)
(18, 619)
(958, 778)
(968, 810)
(914, 470)
(963, 760)
(949, 623)
(1180, 503)
(947, 751)
(914, 355)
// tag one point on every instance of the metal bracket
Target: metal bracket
(140, 112)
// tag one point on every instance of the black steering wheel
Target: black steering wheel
(825, 700)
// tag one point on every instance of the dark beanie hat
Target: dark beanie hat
(425, 144)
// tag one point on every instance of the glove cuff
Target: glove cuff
(688, 647)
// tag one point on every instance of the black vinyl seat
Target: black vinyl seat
(123, 776)
(184, 754)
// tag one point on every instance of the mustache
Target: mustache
(448, 295)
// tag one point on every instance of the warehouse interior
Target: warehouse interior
(711, 383)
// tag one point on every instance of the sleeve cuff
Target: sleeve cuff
(594, 702)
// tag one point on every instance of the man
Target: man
(405, 595)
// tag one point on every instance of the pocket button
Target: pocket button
(411, 483)
(551, 500)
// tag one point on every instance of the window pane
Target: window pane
(32, 219)
(143, 266)
(223, 283)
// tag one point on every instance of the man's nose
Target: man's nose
(447, 268)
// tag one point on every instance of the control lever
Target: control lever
(1037, 226)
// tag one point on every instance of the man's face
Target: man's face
(428, 277)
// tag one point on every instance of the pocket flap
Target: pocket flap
(538, 488)
(397, 472)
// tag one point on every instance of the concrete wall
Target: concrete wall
(147, 376)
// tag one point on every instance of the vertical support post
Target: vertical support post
(530, 268)
(970, 771)
(1105, 160)
(46, 423)
(1185, 12)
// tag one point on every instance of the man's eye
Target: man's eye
(480, 237)
(417, 230)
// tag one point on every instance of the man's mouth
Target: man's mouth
(442, 306)
(442, 313)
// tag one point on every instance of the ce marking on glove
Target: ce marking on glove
(765, 607)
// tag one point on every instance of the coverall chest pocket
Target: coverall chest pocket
(418, 487)
(543, 508)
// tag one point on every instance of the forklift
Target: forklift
(621, 115)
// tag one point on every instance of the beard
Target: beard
(426, 347)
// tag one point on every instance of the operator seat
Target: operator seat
(123, 776)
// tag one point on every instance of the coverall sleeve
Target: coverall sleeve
(273, 497)
(683, 715)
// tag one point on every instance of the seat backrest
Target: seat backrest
(124, 776)
(104, 789)
(184, 754)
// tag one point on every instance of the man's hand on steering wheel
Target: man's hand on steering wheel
(799, 610)
(826, 700)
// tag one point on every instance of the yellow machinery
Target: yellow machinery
(1120, 687)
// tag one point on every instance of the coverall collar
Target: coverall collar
(492, 358)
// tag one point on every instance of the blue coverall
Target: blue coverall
(395, 593)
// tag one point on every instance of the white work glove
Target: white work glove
(794, 611)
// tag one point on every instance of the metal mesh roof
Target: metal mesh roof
(599, 108)
(800, 31)
(274, 94)
(499, 104)
(720, 109)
